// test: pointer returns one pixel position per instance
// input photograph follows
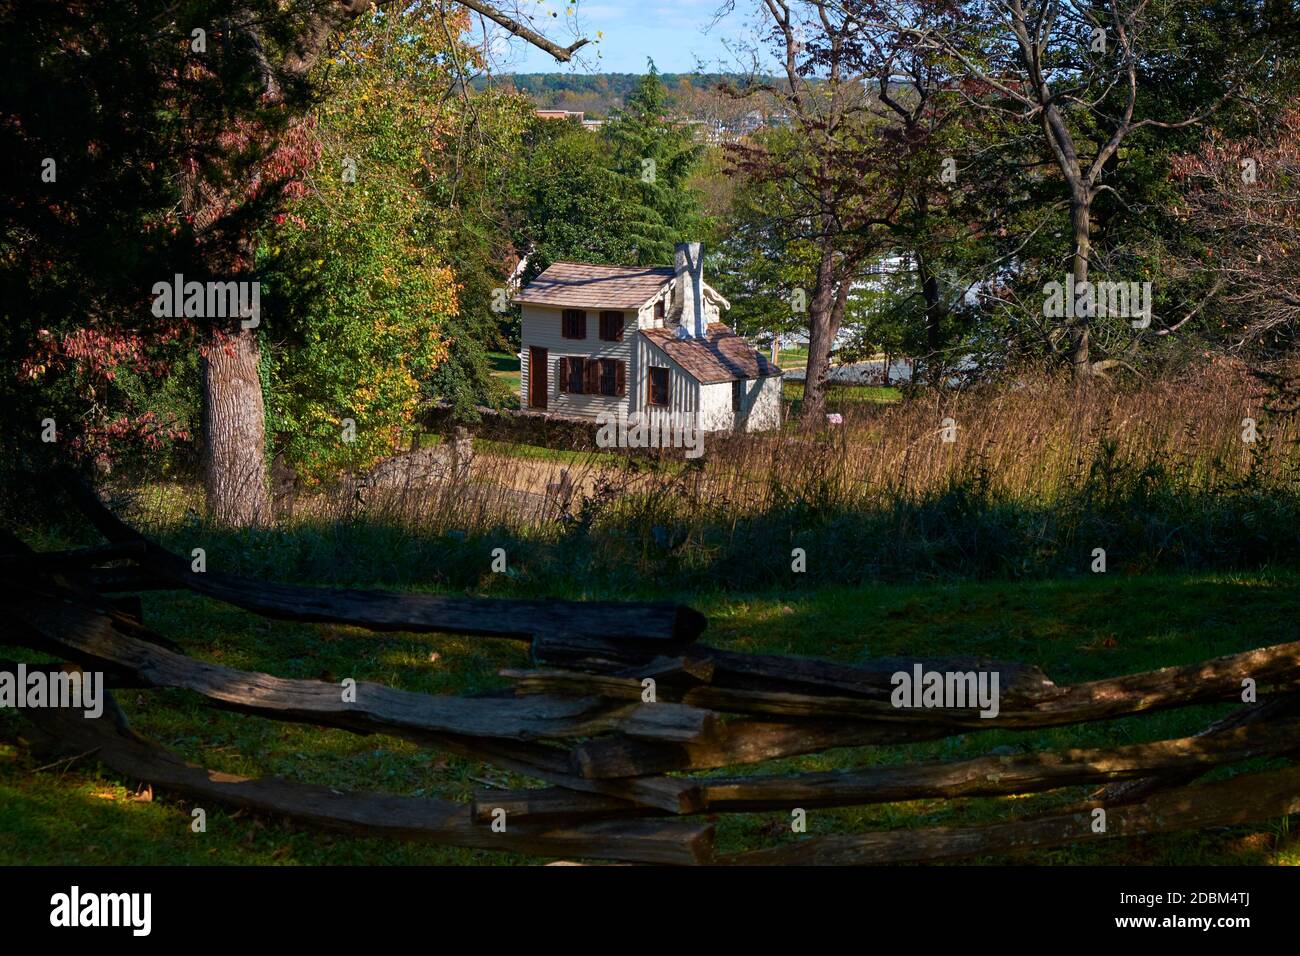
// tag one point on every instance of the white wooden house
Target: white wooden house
(641, 340)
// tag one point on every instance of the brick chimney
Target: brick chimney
(688, 261)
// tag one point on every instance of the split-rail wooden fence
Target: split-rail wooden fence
(623, 778)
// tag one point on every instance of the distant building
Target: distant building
(642, 340)
(578, 115)
(730, 131)
(561, 114)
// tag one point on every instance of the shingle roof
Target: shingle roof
(580, 285)
(723, 356)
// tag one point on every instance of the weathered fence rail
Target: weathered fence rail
(615, 767)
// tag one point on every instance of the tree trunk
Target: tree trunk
(1081, 218)
(932, 363)
(821, 339)
(235, 471)
(814, 383)
(234, 419)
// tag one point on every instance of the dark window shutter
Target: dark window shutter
(591, 380)
(620, 379)
(611, 326)
(577, 375)
(608, 376)
(564, 375)
(573, 324)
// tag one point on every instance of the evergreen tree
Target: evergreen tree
(652, 159)
(567, 201)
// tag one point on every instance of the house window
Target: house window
(657, 387)
(613, 377)
(573, 375)
(611, 326)
(659, 311)
(574, 324)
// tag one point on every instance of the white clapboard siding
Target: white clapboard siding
(683, 390)
(542, 328)
(672, 308)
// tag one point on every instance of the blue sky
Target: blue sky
(677, 34)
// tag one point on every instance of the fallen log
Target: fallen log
(126, 611)
(782, 704)
(553, 804)
(544, 763)
(777, 673)
(1243, 799)
(9, 666)
(672, 669)
(992, 776)
(427, 613)
(1217, 679)
(735, 743)
(92, 637)
(1178, 686)
(988, 776)
(40, 562)
(1131, 791)
(676, 795)
(372, 814)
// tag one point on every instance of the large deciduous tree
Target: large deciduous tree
(955, 194)
(1077, 72)
(280, 59)
(1243, 194)
(215, 123)
(822, 167)
(363, 298)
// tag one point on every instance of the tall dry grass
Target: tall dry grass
(1035, 440)
(1037, 475)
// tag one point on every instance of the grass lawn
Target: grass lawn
(515, 449)
(1075, 629)
(792, 391)
(791, 358)
(505, 367)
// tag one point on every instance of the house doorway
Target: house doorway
(537, 384)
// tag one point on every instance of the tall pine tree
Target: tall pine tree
(653, 158)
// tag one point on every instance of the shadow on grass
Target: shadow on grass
(1078, 629)
(624, 550)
